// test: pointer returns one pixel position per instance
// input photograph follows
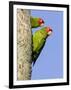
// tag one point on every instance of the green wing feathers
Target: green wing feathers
(39, 37)
(38, 44)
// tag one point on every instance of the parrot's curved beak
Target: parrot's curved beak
(42, 24)
(50, 32)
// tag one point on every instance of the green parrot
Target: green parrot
(39, 39)
(36, 22)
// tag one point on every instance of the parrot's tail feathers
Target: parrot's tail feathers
(33, 63)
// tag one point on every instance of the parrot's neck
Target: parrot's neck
(44, 34)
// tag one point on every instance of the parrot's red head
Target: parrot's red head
(40, 21)
(48, 30)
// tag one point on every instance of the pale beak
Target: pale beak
(50, 32)
(42, 24)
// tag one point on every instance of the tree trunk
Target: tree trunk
(24, 45)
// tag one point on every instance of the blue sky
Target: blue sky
(50, 62)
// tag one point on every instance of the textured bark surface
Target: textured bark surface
(24, 45)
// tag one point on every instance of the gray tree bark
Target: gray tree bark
(24, 45)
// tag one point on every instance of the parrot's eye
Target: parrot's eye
(41, 22)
